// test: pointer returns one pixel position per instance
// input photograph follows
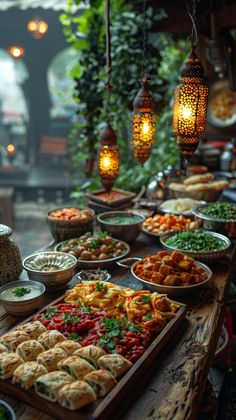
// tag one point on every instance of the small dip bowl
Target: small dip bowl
(91, 275)
(22, 297)
(121, 224)
(7, 410)
(53, 269)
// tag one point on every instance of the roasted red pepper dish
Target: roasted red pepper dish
(72, 214)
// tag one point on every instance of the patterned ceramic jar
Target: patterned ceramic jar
(10, 258)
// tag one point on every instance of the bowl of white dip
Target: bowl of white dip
(21, 297)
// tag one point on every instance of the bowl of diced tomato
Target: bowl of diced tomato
(70, 222)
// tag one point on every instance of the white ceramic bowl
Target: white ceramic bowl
(26, 306)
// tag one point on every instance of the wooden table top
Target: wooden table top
(172, 387)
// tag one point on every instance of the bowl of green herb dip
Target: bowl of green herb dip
(123, 225)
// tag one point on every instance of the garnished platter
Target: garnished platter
(103, 407)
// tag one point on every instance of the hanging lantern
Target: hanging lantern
(108, 158)
(190, 106)
(144, 123)
(37, 27)
(16, 52)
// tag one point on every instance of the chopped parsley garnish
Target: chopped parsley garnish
(99, 287)
(70, 318)
(50, 312)
(107, 342)
(21, 291)
(73, 336)
(85, 308)
(149, 317)
(146, 299)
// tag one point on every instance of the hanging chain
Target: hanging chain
(108, 56)
(145, 38)
(191, 7)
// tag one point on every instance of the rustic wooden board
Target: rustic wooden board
(102, 407)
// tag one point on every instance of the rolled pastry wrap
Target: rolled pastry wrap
(33, 329)
(197, 179)
(219, 185)
(115, 363)
(12, 339)
(199, 187)
(102, 381)
(29, 350)
(76, 395)
(48, 385)
(26, 374)
(3, 349)
(69, 346)
(75, 366)
(91, 354)
(50, 338)
(8, 363)
(50, 358)
(177, 186)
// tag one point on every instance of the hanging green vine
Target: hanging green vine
(86, 33)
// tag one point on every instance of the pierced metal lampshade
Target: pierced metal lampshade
(144, 123)
(37, 27)
(108, 158)
(190, 105)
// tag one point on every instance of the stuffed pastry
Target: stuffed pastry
(3, 349)
(50, 358)
(75, 366)
(33, 329)
(115, 363)
(50, 338)
(26, 374)
(8, 364)
(29, 350)
(48, 385)
(69, 346)
(76, 395)
(102, 381)
(12, 339)
(91, 354)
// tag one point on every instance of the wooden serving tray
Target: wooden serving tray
(103, 407)
(98, 196)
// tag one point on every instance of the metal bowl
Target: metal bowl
(223, 226)
(201, 195)
(91, 275)
(207, 257)
(126, 232)
(53, 269)
(97, 263)
(26, 306)
(169, 290)
(10, 413)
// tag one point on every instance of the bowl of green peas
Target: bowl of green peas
(218, 217)
(201, 245)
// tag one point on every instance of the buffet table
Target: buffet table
(172, 387)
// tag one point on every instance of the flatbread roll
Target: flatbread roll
(177, 186)
(102, 381)
(26, 374)
(3, 349)
(49, 385)
(76, 395)
(29, 350)
(69, 346)
(75, 366)
(91, 354)
(219, 185)
(50, 358)
(50, 338)
(115, 363)
(198, 187)
(12, 339)
(198, 179)
(8, 364)
(33, 329)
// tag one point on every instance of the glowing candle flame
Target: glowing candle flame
(186, 112)
(146, 127)
(106, 162)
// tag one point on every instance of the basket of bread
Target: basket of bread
(198, 187)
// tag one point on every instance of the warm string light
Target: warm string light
(37, 27)
(190, 106)
(16, 52)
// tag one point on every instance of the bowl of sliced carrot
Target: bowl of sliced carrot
(161, 224)
(70, 222)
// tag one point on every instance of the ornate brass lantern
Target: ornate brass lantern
(190, 106)
(144, 123)
(108, 157)
(37, 27)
